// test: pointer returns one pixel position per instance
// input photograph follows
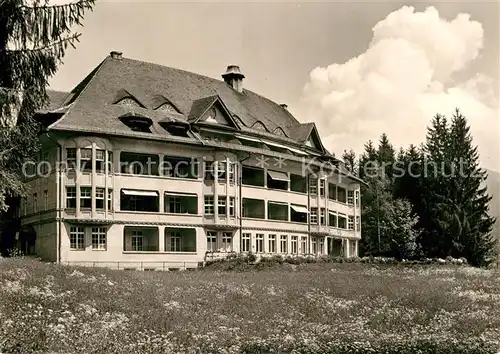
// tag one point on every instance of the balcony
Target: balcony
(177, 203)
(140, 239)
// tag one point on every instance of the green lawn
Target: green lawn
(310, 308)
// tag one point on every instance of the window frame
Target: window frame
(85, 197)
(259, 243)
(284, 241)
(209, 205)
(100, 197)
(271, 242)
(76, 238)
(135, 237)
(211, 241)
(99, 238)
(71, 196)
(84, 167)
(245, 242)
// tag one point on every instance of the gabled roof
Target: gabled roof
(92, 101)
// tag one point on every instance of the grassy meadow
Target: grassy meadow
(309, 308)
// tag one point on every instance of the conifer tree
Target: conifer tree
(33, 39)
(350, 161)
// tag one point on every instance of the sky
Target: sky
(356, 69)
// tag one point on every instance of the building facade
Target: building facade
(149, 167)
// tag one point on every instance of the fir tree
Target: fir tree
(350, 163)
(33, 40)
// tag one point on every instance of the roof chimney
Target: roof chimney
(116, 55)
(234, 78)
(284, 105)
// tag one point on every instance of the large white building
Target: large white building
(149, 167)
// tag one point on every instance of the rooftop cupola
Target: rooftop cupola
(234, 78)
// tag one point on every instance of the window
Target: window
(298, 213)
(86, 160)
(303, 244)
(71, 197)
(221, 171)
(231, 206)
(253, 208)
(358, 223)
(209, 171)
(277, 211)
(284, 244)
(85, 197)
(139, 164)
(314, 215)
(111, 168)
(313, 186)
(139, 200)
(314, 244)
(100, 160)
(232, 173)
(252, 176)
(332, 219)
(98, 238)
(321, 245)
(221, 205)
(209, 205)
(45, 163)
(245, 245)
(350, 222)
(110, 199)
(277, 180)
(76, 238)
(45, 200)
(341, 194)
(356, 198)
(25, 206)
(295, 249)
(137, 240)
(322, 187)
(332, 191)
(259, 243)
(180, 167)
(99, 198)
(272, 243)
(227, 241)
(71, 158)
(342, 221)
(322, 217)
(35, 203)
(175, 241)
(211, 241)
(298, 183)
(174, 204)
(350, 197)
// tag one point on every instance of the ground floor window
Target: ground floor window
(175, 241)
(294, 245)
(180, 240)
(211, 241)
(284, 244)
(272, 244)
(137, 240)
(314, 245)
(77, 238)
(99, 238)
(259, 243)
(303, 244)
(321, 246)
(227, 241)
(245, 244)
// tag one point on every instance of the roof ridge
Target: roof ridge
(211, 78)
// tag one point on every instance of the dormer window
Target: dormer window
(175, 128)
(129, 101)
(279, 131)
(167, 107)
(137, 123)
(259, 126)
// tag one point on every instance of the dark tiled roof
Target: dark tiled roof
(56, 99)
(200, 106)
(93, 99)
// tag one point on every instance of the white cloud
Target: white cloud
(401, 81)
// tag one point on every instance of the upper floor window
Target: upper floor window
(232, 172)
(322, 187)
(313, 186)
(100, 158)
(350, 222)
(99, 198)
(332, 191)
(253, 176)
(356, 198)
(209, 205)
(86, 160)
(85, 197)
(314, 215)
(221, 204)
(231, 206)
(71, 197)
(221, 171)
(139, 200)
(350, 197)
(322, 216)
(45, 199)
(71, 158)
(298, 183)
(341, 194)
(35, 203)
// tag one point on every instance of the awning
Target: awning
(278, 176)
(248, 138)
(173, 194)
(141, 193)
(332, 213)
(279, 203)
(299, 209)
(285, 147)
